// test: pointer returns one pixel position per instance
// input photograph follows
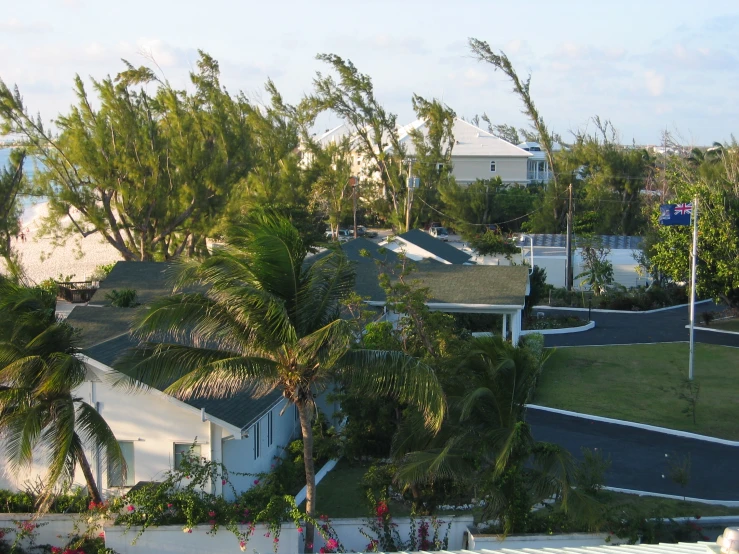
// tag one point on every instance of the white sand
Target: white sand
(42, 260)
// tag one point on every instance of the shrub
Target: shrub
(125, 298)
(101, 272)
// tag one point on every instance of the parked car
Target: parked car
(362, 231)
(343, 235)
(440, 233)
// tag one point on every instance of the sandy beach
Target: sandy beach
(42, 260)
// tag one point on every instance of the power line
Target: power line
(478, 224)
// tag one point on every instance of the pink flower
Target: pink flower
(332, 544)
(212, 522)
(212, 514)
(382, 508)
(277, 539)
(256, 481)
(91, 506)
(242, 545)
(309, 545)
(322, 550)
(55, 550)
(267, 534)
(102, 535)
(169, 505)
(223, 481)
(130, 508)
(300, 529)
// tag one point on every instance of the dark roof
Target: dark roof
(149, 279)
(488, 285)
(436, 247)
(240, 410)
(99, 324)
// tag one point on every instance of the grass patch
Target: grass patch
(339, 494)
(731, 324)
(637, 382)
(666, 507)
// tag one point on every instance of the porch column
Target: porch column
(515, 327)
(216, 453)
(505, 326)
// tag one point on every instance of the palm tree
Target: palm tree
(263, 319)
(39, 372)
(487, 441)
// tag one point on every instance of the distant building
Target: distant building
(537, 168)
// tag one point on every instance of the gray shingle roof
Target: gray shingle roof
(100, 324)
(614, 242)
(148, 279)
(240, 410)
(436, 247)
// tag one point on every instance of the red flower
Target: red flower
(382, 508)
(212, 514)
(256, 481)
(332, 544)
(223, 481)
(322, 550)
(130, 508)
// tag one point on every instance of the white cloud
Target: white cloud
(14, 25)
(654, 82)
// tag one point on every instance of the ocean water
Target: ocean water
(26, 201)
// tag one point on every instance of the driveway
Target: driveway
(632, 327)
(638, 459)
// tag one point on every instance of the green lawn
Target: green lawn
(339, 493)
(637, 383)
(731, 324)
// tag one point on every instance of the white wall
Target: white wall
(171, 538)
(239, 455)
(467, 169)
(53, 529)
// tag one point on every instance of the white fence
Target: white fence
(171, 538)
(476, 541)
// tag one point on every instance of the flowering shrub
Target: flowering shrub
(383, 535)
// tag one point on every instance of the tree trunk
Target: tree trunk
(304, 412)
(89, 479)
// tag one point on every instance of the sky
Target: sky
(646, 65)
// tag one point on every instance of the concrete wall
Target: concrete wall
(53, 529)
(171, 538)
(574, 540)
(467, 169)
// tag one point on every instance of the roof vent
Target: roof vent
(729, 541)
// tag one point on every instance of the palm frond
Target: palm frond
(394, 374)
(93, 432)
(327, 281)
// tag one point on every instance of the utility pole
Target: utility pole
(409, 201)
(568, 264)
(353, 183)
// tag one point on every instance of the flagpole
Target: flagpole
(692, 286)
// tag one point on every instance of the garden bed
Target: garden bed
(553, 322)
(637, 299)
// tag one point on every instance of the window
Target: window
(492, 166)
(439, 168)
(183, 448)
(257, 439)
(122, 477)
(269, 428)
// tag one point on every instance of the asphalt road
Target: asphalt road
(630, 328)
(638, 458)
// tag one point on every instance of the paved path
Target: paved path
(638, 456)
(628, 328)
(638, 459)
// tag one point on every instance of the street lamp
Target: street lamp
(523, 237)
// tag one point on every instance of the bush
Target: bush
(101, 272)
(553, 322)
(125, 298)
(23, 502)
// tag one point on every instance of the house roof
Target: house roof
(240, 410)
(150, 280)
(468, 141)
(334, 135)
(475, 285)
(100, 324)
(438, 248)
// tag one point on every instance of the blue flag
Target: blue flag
(675, 214)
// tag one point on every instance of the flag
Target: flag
(675, 214)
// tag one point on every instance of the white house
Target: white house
(476, 154)
(538, 169)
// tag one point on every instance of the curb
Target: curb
(300, 497)
(713, 330)
(643, 426)
(602, 311)
(707, 519)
